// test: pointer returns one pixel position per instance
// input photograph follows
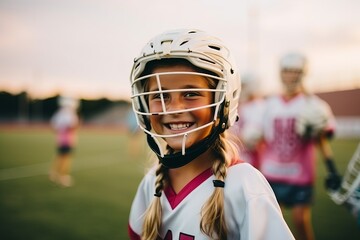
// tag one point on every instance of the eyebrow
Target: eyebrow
(182, 87)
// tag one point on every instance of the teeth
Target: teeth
(180, 126)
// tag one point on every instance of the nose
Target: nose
(175, 103)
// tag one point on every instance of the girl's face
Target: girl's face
(291, 80)
(185, 121)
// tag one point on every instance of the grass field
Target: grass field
(107, 171)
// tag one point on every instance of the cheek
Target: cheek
(155, 121)
(155, 107)
(205, 115)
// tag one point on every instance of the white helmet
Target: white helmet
(70, 102)
(205, 52)
(293, 61)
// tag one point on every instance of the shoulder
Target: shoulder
(244, 178)
(322, 103)
(258, 104)
(244, 171)
(146, 186)
(314, 99)
(319, 104)
(145, 191)
(271, 99)
(149, 177)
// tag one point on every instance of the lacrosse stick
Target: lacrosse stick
(349, 192)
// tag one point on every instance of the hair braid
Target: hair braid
(153, 215)
(213, 220)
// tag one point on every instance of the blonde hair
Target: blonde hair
(212, 221)
(153, 214)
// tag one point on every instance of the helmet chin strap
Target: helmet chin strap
(176, 160)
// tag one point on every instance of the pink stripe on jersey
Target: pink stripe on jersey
(132, 235)
(292, 98)
(175, 199)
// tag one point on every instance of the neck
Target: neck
(289, 95)
(181, 176)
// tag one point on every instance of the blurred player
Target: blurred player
(248, 128)
(65, 122)
(294, 123)
(185, 92)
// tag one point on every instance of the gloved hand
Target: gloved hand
(333, 179)
(332, 182)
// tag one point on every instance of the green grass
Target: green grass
(96, 207)
(106, 172)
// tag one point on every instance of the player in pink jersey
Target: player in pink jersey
(248, 127)
(65, 122)
(294, 123)
(185, 90)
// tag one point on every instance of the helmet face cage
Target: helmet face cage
(202, 51)
(141, 96)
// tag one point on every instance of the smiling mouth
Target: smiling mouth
(178, 126)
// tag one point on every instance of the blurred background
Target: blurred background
(85, 49)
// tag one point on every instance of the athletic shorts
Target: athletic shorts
(291, 195)
(64, 149)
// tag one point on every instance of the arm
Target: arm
(333, 179)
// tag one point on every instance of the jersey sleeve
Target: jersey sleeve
(331, 122)
(264, 220)
(322, 115)
(258, 214)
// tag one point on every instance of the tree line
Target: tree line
(20, 107)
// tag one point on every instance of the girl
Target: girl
(65, 123)
(295, 122)
(185, 90)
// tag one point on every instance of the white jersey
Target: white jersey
(286, 157)
(251, 209)
(64, 122)
(64, 118)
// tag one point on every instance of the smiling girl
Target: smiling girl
(185, 89)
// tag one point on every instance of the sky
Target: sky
(86, 48)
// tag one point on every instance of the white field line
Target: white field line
(43, 168)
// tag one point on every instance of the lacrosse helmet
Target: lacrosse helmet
(204, 52)
(293, 61)
(68, 102)
(293, 68)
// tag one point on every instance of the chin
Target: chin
(176, 144)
